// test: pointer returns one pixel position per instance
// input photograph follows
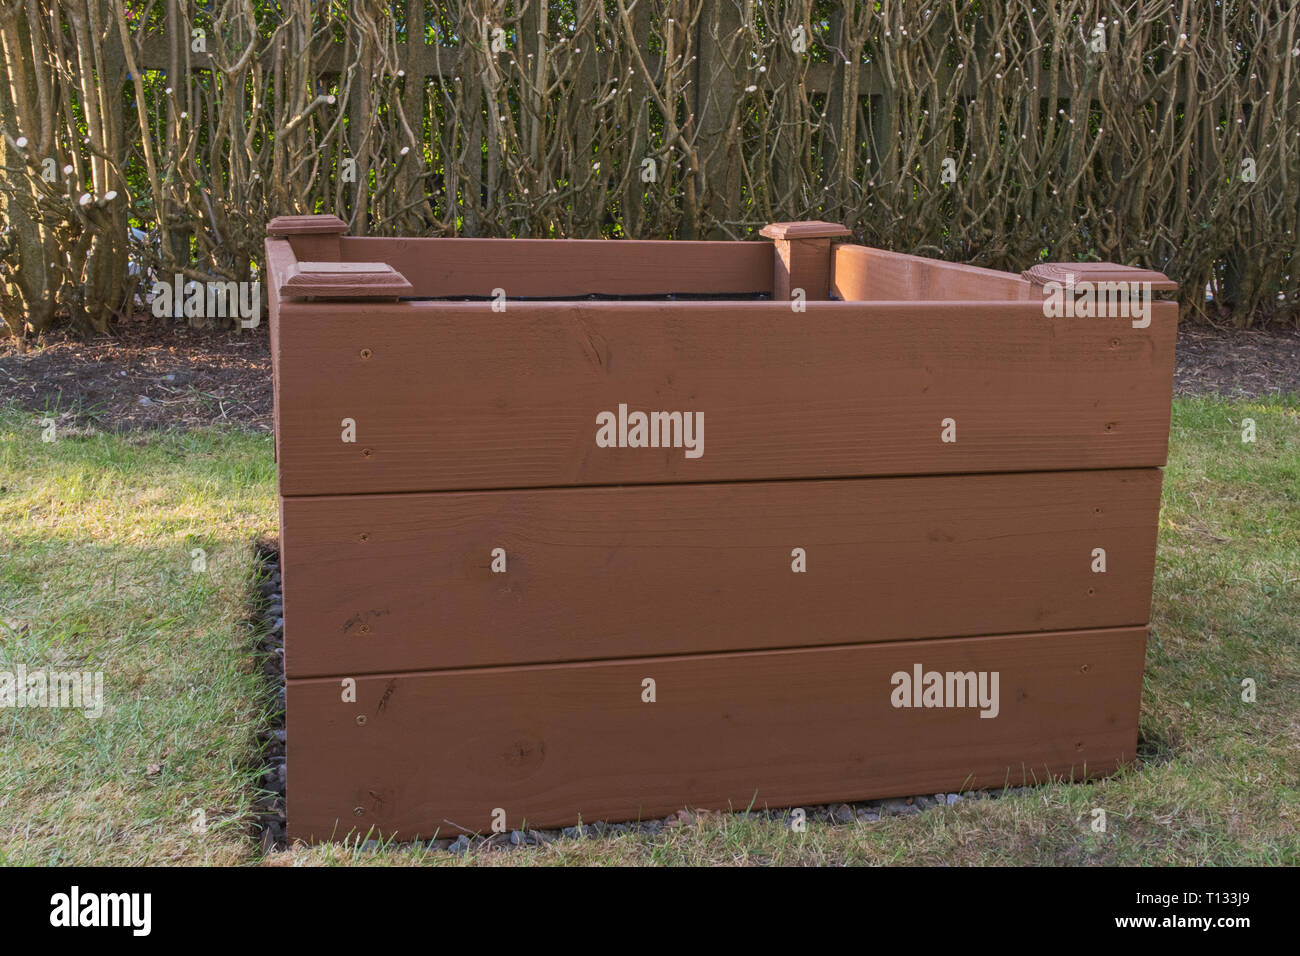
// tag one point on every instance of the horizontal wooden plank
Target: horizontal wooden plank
(862, 273)
(570, 267)
(455, 396)
(377, 583)
(439, 751)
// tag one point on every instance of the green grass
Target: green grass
(95, 540)
(96, 534)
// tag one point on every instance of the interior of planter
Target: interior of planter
(472, 269)
(864, 274)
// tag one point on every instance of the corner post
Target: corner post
(803, 257)
(313, 238)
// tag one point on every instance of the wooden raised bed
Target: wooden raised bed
(474, 446)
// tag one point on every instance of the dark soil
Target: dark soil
(152, 376)
(1237, 363)
(146, 376)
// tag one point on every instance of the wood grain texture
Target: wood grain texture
(1062, 272)
(810, 229)
(864, 274)
(801, 264)
(308, 225)
(438, 751)
(312, 237)
(454, 396)
(321, 248)
(344, 280)
(376, 583)
(570, 267)
(280, 263)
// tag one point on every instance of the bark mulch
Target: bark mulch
(146, 376)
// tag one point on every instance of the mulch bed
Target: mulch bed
(153, 376)
(146, 376)
(1237, 363)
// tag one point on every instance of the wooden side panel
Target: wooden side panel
(569, 267)
(454, 396)
(861, 273)
(438, 751)
(280, 263)
(375, 583)
(320, 248)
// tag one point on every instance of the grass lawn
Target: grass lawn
(96, 573)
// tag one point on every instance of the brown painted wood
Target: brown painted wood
(313, 237)
(316, 248)
(1064, 272)
(308, 225)
(377, 583)
(808, 229)
(802, 258)
(344, 280)
(864, 274)
(570, 267)
(803, 264)
(454, 396)
(439, 751)
(280, 262)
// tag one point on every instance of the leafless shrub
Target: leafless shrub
(1165, 135)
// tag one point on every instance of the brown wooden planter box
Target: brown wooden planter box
(826, 374)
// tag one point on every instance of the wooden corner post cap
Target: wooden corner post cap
(313, 238)
(802, 257)
(345, 280)
(1096, 272)
(815, 229)
(283, 226)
